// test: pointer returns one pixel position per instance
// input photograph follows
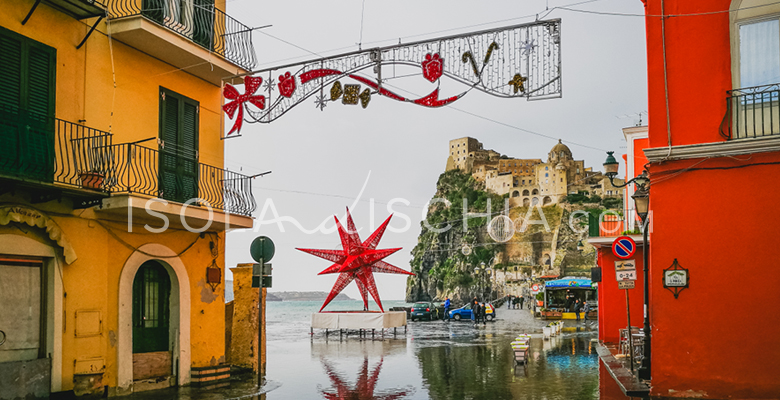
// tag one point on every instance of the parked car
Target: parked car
(424, 311)
(465, 312)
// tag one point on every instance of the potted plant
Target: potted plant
(92, 179)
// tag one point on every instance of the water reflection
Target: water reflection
(560, 368)
(364, 387)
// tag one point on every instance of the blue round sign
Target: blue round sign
(623, 247)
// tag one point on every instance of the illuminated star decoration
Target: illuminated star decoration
(320, 102)
(364, 388)
(517, 81)
(528, 46)
(357, 261)
(251, 84)
(270, 85)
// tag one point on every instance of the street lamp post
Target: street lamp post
(641, 202)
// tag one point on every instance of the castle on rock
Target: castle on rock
(529, 182)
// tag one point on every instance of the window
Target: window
(27, 91)
(546, 168)
(179, 122)
(546, 175)
(759, 53)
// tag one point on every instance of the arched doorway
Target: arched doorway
(547, 200)
(151, 321)
(179, 308)
(526, 202)
(515, 193)
(534, 201)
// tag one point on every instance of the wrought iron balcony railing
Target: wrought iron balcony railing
(165, 174)
(39, 148)
(46, 151)
(752, 112)
(197, 20)
(612, 224)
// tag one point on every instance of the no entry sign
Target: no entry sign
(623, 247)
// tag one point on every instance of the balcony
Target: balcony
(752, 112)
(186, 34)
(52, 158)
(614, 225)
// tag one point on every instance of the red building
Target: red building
(714, 154)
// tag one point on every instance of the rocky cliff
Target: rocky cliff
(441, 265)
(545, 243)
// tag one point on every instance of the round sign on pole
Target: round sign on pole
(262, 249)
(623, 247)
(535, 287)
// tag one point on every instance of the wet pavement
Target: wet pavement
(434, 360)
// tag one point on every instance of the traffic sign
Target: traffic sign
(262, 249)
(623, 247)
(626, 284)
(625, 265)
(626, 275)
(535, 287)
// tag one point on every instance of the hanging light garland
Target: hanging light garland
(515, 61)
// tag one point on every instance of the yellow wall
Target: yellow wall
(85, 91)
(85, 82)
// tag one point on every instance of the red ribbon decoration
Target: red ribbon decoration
(251, 84)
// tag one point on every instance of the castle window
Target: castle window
(546, 175)
(546, 168)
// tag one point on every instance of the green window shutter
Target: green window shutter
(188, 150)
(179, 121)
(27, 95)
(10, 101)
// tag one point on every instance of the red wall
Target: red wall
(721, 337)
(698, 71)
(612, 301)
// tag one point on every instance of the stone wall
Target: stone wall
(245, 320)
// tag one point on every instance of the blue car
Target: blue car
(465, 313)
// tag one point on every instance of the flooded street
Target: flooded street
(434, 360)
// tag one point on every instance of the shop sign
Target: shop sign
(676, 278)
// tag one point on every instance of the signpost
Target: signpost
(262, 249)
(625, 273)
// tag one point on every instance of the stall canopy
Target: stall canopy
(569, 283)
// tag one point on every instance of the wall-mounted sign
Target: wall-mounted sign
(626, 284)
(676, 278)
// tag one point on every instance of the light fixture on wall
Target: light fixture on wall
(213, 275)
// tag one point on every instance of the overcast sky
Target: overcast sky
(322, 159)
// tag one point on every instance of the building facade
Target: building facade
(709, 134)
(114, 201)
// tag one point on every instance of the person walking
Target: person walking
(447, 305)
(521, 300)
(509, 300)
(576, 306)
(475, 313)
(483, 313)
(586, 310)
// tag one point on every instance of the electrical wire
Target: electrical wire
(565, 8)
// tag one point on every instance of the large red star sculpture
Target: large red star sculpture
(357, 261)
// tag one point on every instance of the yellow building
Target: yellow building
(114, 200)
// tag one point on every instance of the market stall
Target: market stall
(560, 295)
